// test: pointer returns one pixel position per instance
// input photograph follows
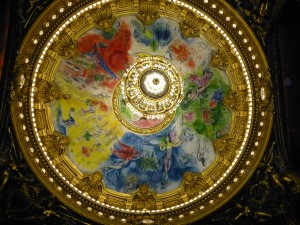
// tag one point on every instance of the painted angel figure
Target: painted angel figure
(171, 141)
(63, 124)
(201, 82)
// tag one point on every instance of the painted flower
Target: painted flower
(189, 116)
(212, 104)
(180, 51)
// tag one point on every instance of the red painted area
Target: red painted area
(114, 52)
(126, 152)
(147, 123)
(109, 83)
(191, 64)
(181, 52)
(86, 151)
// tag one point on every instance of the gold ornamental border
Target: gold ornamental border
(163, 111)
(236, 51)
(116, 105)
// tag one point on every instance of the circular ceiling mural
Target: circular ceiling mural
(142, 111)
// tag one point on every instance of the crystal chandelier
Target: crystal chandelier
(152, 87)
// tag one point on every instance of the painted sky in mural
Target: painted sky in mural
(99, 142)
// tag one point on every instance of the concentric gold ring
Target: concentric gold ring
(117, 101)
(152, 87)
(40, 99)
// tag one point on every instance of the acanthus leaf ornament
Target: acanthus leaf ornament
(193, 184)
(64, 45)
(143, 199)
(223, 57)
(47, 92)
(55, 144)
(227, 147)
(191, 25)
(236, 100)
(92, 185)
(103, 17)
(148, 11)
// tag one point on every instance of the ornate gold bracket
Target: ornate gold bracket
(148, 11)
(103, 17)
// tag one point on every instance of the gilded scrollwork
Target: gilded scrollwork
(117, 201)
(55, 144)
(147, 218)
(236, 100)
(214, 36)
(193, 184)
(64, 45)
(40, 119)
(227, 147)
(45, 68)
(191, 25)
(103, 17)
(236, 74)
(78, 25)
(92, 185)
(223, 57)
(239, 127)
(173, 8)
(143, 199)
(167, 203)
(148, 11)
(125, 4)
(47, 92)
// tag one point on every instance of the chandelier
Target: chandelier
(152, 87)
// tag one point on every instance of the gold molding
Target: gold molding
(238, 153)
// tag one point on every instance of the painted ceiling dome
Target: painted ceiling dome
(143, 107)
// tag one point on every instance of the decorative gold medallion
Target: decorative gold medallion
(142, 111)
(152, 89)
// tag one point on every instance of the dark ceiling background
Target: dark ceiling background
(272, 194)
(289, 49)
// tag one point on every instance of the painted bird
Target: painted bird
(126, 152)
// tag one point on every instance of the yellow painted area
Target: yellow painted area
(88, 152)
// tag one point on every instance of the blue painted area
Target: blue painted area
(62, 124)
(157, 35)
(149, 168)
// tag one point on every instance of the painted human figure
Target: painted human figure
(63, 124)
(168, 145)
(201, 82)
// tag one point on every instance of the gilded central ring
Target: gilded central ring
(152, 87)
(149, 92)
